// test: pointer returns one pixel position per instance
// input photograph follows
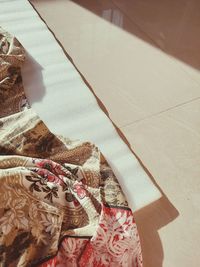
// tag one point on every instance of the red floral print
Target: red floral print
(115, 244)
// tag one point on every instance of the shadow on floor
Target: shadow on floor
(149, 220)
(172, 26)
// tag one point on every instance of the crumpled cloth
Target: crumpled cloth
(60, 202)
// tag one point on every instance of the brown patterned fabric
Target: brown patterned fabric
(56, 195)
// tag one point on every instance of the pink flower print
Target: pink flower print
(51, 166)
(45, 164)
(49, 176)
(79, 188)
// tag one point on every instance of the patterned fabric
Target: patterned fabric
(60, 203)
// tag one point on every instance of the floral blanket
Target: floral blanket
(60, 203)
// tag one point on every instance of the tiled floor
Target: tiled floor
(142, 60)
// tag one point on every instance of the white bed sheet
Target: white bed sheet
(64, 102)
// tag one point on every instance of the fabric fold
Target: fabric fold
(60, 202)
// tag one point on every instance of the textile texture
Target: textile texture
(60, 202)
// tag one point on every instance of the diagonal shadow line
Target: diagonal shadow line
(177, 38)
